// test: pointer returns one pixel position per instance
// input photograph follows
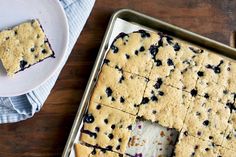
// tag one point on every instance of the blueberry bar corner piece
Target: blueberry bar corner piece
(23, 46)
(107, 128)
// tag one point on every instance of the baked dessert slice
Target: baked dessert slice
(177, 63)
(107, 128)
(119, 89)
(133, 52)
(190, 146)
(86, 151)
(165, 105)
(23, 46)
(207, 119)
(213, 81)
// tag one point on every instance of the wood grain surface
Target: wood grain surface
(46, 133)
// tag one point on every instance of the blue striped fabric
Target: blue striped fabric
(14, 109)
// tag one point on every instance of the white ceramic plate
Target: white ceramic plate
(53, 19)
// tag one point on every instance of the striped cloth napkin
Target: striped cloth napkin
(14, 109)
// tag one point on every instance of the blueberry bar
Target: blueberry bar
(22, 46)
(107, 128)
(165, 105)
(207, 119)
(119, 89)
(133, 52)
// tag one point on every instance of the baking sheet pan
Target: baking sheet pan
(127, 21)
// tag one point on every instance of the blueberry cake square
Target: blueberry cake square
(22, 46)
(207, 119)
(133, 52)
(119, 89)
(213, 81)
(177, 63)
(165, 105)
(86, 151)
(190, 146)
(107, 127)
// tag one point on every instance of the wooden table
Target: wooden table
(46, 133)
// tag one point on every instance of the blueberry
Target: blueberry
(106, 61)
(154, 98)
(145, 100)
(122, 100)
(194, 92)
(207, 149)
(118, 68)
(228, 137)
(130, 127)
(136, 52)
(142, 49)
(169, 39)
(44, 51)
(217, 70)
(225, 92)
(206, 122)
(97, 129)
(120, 140)
(109, 147)
(106, 121)
(231, 107)
(199, 133)
(121, 35)
(170, 62)
(109, 91)
(209, 66)
(114, 48)
(158, 62)
(113, 99)
(127, 56)
(94, 152)
(193, 154)
(160, 42)
(154, 112)
(118, 147)
(176, 47)
(32, 49)
(186, 133)
(158, 83)
(206, 96)
(23, 64)
(98, 107)
(111, 136)
(153, 50)
(200, 73)
(143, 33)
(161, 93)
(113, 126)
(88, 118)
(121, 79)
